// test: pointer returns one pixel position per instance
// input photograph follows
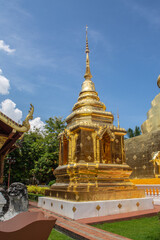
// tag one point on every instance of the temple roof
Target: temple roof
(89, 108)
(89, 111)
(10, 131)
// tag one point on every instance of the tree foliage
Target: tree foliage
(38, 154)
(133, 133)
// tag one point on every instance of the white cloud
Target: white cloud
(36, 123)
(8, 107)
(4, 84)
(6, 47)
(99, 38)
(150, 14)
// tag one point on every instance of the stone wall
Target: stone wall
(139, 152)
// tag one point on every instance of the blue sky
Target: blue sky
(45, 59)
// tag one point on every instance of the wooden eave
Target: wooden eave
(8, 137)
(10, 131)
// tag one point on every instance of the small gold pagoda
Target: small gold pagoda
(92, 164)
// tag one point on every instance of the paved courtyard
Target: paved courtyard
(81, 229)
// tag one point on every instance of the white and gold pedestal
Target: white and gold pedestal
(79, 210)
(156, 201)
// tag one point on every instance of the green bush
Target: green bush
(51, 183)
(34, 197)
(36, 189)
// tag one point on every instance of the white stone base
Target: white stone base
(79, 210)
(156, 201)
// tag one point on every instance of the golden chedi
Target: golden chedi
(91, 155)
(143, 151)
(153, 115)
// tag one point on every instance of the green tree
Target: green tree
(136, 132)
(30, 150)
(130, 133)
(54, 126)
(43, 169)
(38, 155)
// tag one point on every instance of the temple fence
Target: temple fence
(150, 190)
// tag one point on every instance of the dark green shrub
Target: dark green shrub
(51, 182)
(34, 197)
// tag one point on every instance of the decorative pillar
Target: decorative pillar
(70, 139)
(98, 150)
(75, 136)
(122, 148)
(94, 146)
(71, 148)
(60, 152)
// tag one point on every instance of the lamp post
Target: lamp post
(10, 161)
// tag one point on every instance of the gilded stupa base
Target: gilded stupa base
(95, 194)
(94, 182)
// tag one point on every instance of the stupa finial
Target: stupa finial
(88, 74)
(87, 49)
(118, 118)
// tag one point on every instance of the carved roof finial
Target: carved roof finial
(29, 117)
(18, 127)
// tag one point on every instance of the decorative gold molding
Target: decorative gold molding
(67, 133)
(74, 209)
(103, 130)
(137, 204)
(121, 133)
(119, 205)
(77, 197)
(98, 207)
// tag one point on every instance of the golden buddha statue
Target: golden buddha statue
(92, 164)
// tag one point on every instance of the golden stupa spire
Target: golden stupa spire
(118, 119)
(88, 74)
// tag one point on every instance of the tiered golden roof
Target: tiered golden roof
(89, 110)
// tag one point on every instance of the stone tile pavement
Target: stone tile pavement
(81, 230)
